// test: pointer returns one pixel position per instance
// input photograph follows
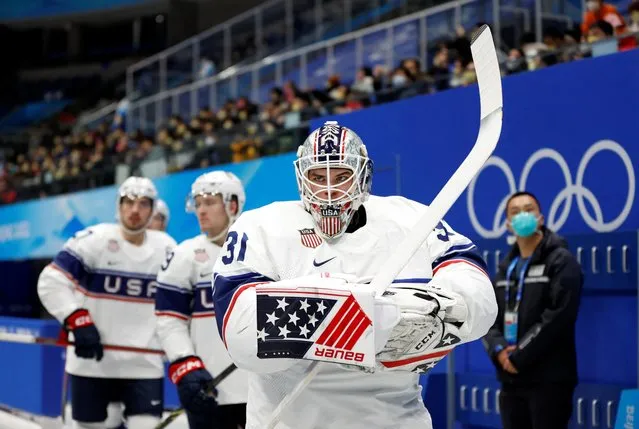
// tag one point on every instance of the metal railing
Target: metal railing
(415, 35)
(91, 119)
(266, 29)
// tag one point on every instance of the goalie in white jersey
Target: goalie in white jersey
(277, 311)
(101, 287)
(186, 315)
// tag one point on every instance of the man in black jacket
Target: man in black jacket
(532, 342)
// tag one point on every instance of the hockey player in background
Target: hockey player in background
(186, 315)
(161, 216)
(101, 287)
(288, 267)
(159, 222)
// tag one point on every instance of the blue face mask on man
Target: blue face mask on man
(524, 224)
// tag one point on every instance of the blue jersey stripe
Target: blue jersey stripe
(172, 300)
(129, 286)
(225, 287)
(175, 288)
(72, 264)
(472, 255)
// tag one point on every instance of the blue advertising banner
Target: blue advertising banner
(11, 10)
(38, 229)
(38, 388)
(569, 136)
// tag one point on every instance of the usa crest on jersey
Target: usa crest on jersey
(310, 238)
(201, 255)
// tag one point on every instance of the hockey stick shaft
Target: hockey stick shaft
(490, 95)
(313, 369)
(32, 339)
(222, 375)
(176, 413)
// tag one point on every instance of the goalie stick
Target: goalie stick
(176, 413)
(490, 97)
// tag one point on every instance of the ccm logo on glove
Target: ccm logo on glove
(180, 368)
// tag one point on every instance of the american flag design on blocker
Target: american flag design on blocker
(329, 325)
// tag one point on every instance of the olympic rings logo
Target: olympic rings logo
(554, 220)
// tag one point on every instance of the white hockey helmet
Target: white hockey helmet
(222, 183)
(328, 147)
(136, 187)
(160, 207)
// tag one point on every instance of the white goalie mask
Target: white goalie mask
(334, 176)
(222, 183)
(134, 188)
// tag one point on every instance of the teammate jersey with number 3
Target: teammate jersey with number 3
(114, 280)
(186, 315)
(278, 242)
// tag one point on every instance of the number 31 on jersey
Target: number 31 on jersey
(231, 245)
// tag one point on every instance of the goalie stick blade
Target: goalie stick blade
(484, 55)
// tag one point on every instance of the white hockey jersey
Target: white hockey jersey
(184, 303)
(278, 242)
(115, 281)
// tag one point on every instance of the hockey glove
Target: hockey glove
(427, 331)
(194, 384)
(85, 334)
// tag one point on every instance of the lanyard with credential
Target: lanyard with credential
(520, 286)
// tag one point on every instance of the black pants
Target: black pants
(90, 397)
(227, 417)
(538, 407)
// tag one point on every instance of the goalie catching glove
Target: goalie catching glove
(428, 329)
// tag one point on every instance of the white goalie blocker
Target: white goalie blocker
(340, 322)
(491, 102)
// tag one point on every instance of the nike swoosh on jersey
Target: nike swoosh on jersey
(319, 264)
(205, 275)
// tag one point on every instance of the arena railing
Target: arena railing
(254, 34)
